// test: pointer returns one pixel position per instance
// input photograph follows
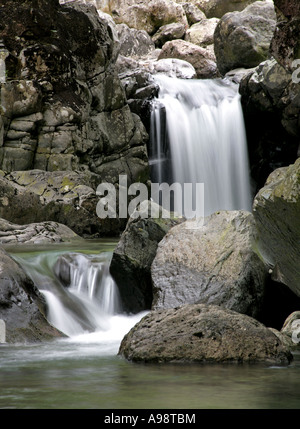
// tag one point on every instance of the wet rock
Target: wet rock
(202, 333)
(200, 58)
(242, 39)
(276, 211)
(133, 256)
(213, 263)
(22, 306)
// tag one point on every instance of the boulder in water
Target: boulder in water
(202, 333)
(133, 256)
(214, 263)
(22, 306)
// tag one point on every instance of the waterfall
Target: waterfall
(82, 298)
(198, 136)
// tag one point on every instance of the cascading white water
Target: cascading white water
(82, 298)
(198, 136)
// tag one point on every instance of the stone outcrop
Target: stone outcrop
(35, 233)
(22, 307)
(202, 333)
(276, 210)
(215, 263)
(134, 254)
(65, 197)
(202, 33)
(242, 39)
(271, 102)
(63, 105)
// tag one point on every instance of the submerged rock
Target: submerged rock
(276, 211)
(22, 306)
(216, 263)
(202, 333)
(242, 39)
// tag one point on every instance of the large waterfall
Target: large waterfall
(198, 136)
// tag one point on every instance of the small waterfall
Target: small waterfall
(81, 295)
(198, 136)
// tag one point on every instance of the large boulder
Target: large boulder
(202, 33)
(131, 261)
(285, 46)
(213, 263)
(276, 211)
(242, 39)
(271, 103)
(202, 333)
(218, 8)
(203, 60)
(22, 307)
(144, 15)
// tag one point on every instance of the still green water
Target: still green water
(85, 372)
(66, 375)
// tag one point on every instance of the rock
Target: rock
(35, 233)
(22, 307)
(215, 263)
(168, 32)
(202, 333)
(134, 43)
(64, 107)
(68, 198)
(242, 39)
(276, 211)
(285, 46)
(202, 33)
(145, 15)
(133, 256)
(271, 103)
(201, 59)
(218, 8)
(291, 329)
(193, 13)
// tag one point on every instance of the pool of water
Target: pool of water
(85, 371)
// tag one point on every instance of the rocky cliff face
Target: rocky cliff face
(63, 107)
